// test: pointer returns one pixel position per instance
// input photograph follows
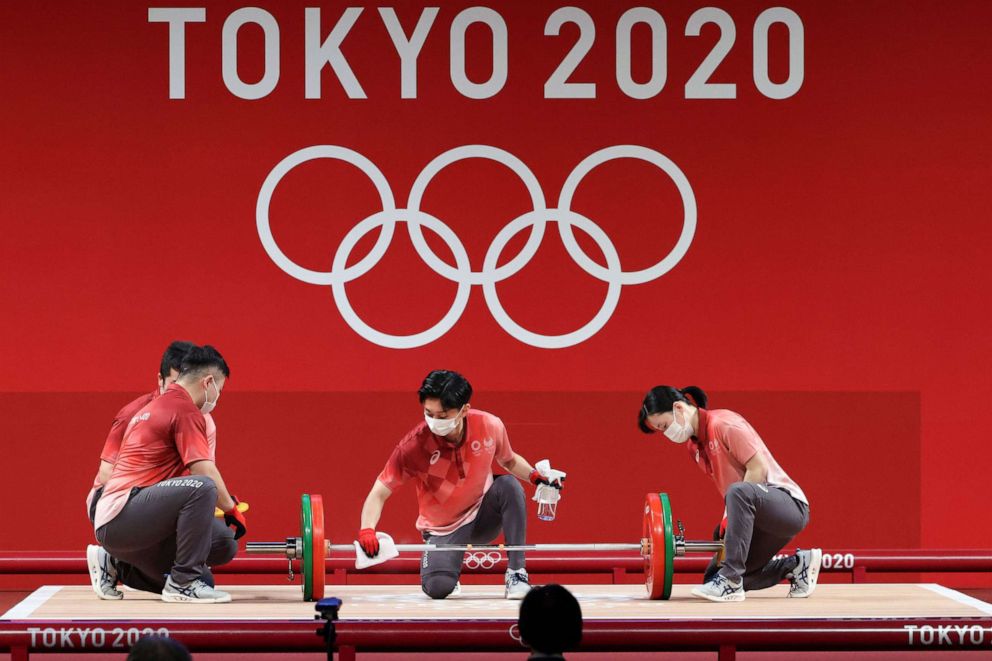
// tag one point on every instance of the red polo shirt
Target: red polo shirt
(161, 441)
(730, 442)
(451, 480)
(116, 436)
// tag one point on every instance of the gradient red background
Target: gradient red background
(835, 293)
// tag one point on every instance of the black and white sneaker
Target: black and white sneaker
(196, 592)
(517, 583)
(720, 588)
(103, 573)
(803, 577)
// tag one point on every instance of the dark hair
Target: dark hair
(661, 398)
(158, 648)
(172, 359)
(451, 388)
(200, 359)
(550, 620)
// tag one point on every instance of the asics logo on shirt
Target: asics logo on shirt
(140, 418)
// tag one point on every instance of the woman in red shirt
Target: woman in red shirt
(765, 508)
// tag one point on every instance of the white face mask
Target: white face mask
(441, 426)
(679, 433)
(208, 406)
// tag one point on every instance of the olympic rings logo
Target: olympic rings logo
(482, 559)
(461, 273)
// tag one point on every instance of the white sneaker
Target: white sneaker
(720, 588)
(803, 577)
(196, 592)
(517, 583)
(103, 573)
(457, 590)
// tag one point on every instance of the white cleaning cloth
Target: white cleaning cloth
(387, 551)
(544, 492)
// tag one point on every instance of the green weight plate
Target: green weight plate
(306, 563)
(669, 569)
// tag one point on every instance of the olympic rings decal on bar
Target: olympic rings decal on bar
(482, 560)
(461, 273)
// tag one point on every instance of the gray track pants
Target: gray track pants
(503, 508)
(168, 528)
(761, 520)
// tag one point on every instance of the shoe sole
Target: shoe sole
(180, 599)
(93, 566)
(517, 595)
(815, 558)
(721, 600)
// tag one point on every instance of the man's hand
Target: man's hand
(368, 541)
(536, 478)
(235, 518)
(241, 505)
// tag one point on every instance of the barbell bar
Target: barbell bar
(660, 544)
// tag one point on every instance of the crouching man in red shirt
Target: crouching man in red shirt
(154, 519)
(450, 455)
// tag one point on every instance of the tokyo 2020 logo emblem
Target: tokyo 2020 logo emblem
(461, 273)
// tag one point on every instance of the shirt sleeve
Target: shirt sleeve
(742, 442)
(112, 446)
(191, 437)
(504, 453)
(395, 472)
(115, 438)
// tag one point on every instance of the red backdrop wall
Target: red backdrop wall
(834, 291)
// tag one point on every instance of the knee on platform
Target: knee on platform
(439, 586)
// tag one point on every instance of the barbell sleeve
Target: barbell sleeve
(701, 547)
(267, 547)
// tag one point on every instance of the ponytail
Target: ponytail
(695, 396)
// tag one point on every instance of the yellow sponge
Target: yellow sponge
(242, 507)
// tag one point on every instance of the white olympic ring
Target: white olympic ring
(482, 559)
(462, 274)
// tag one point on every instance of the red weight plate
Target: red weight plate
(318, 567)
(653, 531)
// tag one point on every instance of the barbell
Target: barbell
(660, 543)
